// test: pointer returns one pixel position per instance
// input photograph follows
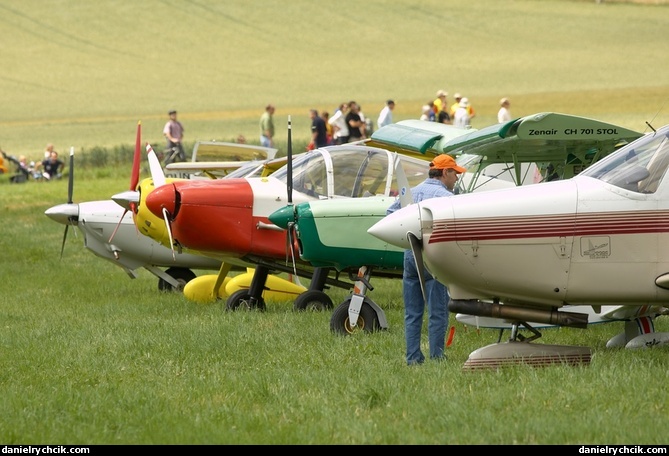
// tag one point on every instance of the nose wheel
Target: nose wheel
(368, 320)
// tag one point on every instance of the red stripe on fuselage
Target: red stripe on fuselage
(527, 226)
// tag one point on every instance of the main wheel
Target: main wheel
(368, 321)
(181, 275)
(312, 300)
(241, 300)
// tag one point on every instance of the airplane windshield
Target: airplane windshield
(349, 172)
(639, 167)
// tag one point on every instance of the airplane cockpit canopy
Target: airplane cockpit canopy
(350, 172)
(639, 166)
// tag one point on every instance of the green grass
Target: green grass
(89, 356)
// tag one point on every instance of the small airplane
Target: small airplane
(100, 221)
(526, 253)
(228, 218)
(499, 156)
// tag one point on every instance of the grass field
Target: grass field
(82, 74)
(89, 356)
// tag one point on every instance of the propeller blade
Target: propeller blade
(134, 178)
(289, 187)
(62, 246)
(289, 155)
(156, 170)
(418, 256)
(169, 231)
(70, 193)
(137, 158)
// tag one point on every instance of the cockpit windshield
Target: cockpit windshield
(349, 172)
(639, 166)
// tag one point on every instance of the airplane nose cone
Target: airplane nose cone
(165, 197)
(66, 214)
(393, 228)
(283, 217)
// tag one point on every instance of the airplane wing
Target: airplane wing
(213, 160)
(212, 170)
(207, 151)
(562, 144)
(417, 138)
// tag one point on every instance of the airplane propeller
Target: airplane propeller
(68, 213)
(159, 180)
(131, 197)
(70, 191)
(414, 241)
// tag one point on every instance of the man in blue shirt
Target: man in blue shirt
(441, 181)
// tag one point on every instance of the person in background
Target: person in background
(329, 130)
(356, 126)
(429, 113)
(441, 101)
(369, 124)
(52, 166)
(425, 112)
(461, 117)
(442, 177)
(174, 133)
(456, 105)
(319, 136)
(47, 151)
(267, 126)
(504, 113)
(443, 116)
(386, 114)
(339, 126)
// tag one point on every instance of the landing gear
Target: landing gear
(312, 300)
(367, 321)
(358, 312)
(182, 277)
(242, 300)
(518, 349)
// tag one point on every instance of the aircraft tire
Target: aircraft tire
(240, 300)
(368, 321)
(312, 300)
(181, 275)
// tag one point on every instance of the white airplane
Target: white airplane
(110, 233)
(526, 254)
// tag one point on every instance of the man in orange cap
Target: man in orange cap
(441, 181)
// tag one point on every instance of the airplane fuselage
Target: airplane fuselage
(226, 217)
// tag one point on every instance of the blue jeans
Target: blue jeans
(414, 307)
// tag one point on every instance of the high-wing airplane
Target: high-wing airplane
(526, 253)
(228, 218)
(504, 155)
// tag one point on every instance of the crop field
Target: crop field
(89, 356)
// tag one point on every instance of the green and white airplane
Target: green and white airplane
(524, 151)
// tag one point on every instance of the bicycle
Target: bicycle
(172, 155)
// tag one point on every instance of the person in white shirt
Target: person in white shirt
(340, 128)
(461, 117)
(386, 114)
(504, 114)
